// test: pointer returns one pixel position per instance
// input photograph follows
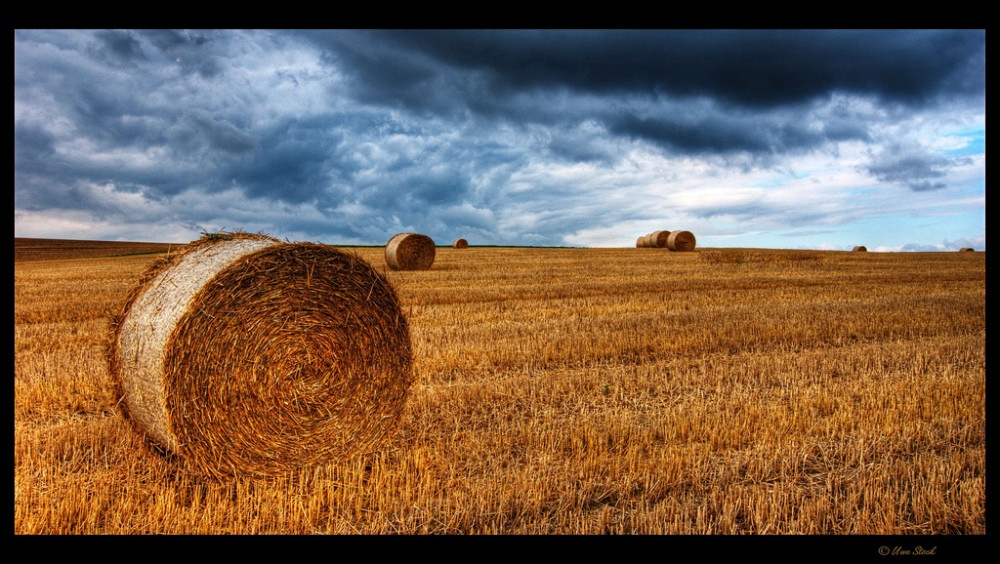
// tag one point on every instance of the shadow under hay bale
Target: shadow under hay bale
(460, 244)
(409, 251)
(681, 241)
(244, 355)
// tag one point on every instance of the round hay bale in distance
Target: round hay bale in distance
(860, 249)
(658, 239)
(966, 250)
(460, 244)
(681, 241)
(409, 251)
(245, 355)
(648, 241)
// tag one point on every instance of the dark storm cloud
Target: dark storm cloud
(719, 135)
(541, 76)
(756, 68)
(295, 161)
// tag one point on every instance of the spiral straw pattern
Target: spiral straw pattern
(252, 356)
(409, 251)
(681, 241)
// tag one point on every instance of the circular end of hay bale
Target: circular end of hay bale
(409, 251)
(658, 239)
(860, 249)
(681, 241)
(460, 244)
(252, 356)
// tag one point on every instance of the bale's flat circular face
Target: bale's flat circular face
(292, 355)
(681, 241)
(410, 251)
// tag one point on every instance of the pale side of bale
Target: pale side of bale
(144, 332)
(409, 251)
(681, 241)
(460, 244)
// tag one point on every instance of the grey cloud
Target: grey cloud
(201, 129)
(196, 52)
(118, 47)
(911, 167)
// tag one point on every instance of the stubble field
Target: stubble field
(566, 391)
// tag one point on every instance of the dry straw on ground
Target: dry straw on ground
(241, 354)
(460, 244)
(860, 249)
(681, 241)
(409, 251)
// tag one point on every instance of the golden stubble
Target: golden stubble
(721, 391)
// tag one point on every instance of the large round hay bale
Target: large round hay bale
(638, 242)
(681, 241)
(658, 239)
(966, 250)
(647, 241)
(247, 355)
(860, 249)
(409, 251)
(460, 244)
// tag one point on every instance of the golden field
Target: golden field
(566, 391)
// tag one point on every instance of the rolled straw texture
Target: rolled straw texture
(253, 356)
(460, 244)
(860, 249)
(681, 241)
(658, 239)
(409, 251)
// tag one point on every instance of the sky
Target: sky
(796, 139)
